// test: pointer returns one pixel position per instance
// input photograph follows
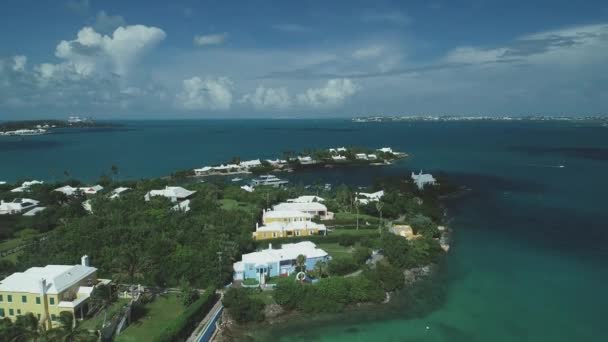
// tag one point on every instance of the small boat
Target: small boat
(268, 180)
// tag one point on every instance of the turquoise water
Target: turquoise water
(529, 260)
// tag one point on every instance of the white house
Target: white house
(312, 208)
(251, 163)
(338, 158)
(386, 150)
(91, 190)
(372, 157)
(361, 156)
(174, 193)
(203, 170)
(306, 160)
(277, 162)
(67, 190)
(25, 186)
(17, 206)
(365, 197)
(306, 199)
(337, 150)
(247, 188)
(118, 191)
(87, 190)
(423, 179)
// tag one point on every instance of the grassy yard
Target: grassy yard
(95, 323)
(354, 232)
(158, 313)
(230, 204)
(264, 296)
(335, 250)
(343, 216)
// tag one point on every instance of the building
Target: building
(284, 216)
(338, 158)
(173, 193)
(361, 156)
(405, 231)
(275, 230)
(250, 164)
(372, 157)
(306, 199)
(17, 206)
(25, 186)
(312, 208)
(247, 188)
(365, 197)
(306, 160)
(91, 190)
(277, 262)
(116, 193)
(386, 150)
(48, 291)
(72, 191)
(421, 179)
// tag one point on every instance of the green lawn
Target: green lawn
(230, 204)
(161, 311)
(264, 296)
(345, 216)
(95, 323)
(335, 250)
(355, 232)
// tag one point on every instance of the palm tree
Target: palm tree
(301, 263)
(356, 204)
(69, 331)
(379, 208)
(321, 268)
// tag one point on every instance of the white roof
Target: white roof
(68, 190)
(2, 182)
(247, 188)
(204, 169)
(291, 226)
(306, 199)
(338, 157)
(386, 150)
(373, 195)
(288, 251)
(171, 192)
(299, 206)
(251, 163)
(305, 158)
(116, 192)
(58, 278)
(276, 161)
(26, 185)
(17, 205)
(182, 206)
(34, 211)
(286, 214)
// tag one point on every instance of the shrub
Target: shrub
(361, 254)
(242, 307)
(342, 266)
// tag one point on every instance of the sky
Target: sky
(296, 59)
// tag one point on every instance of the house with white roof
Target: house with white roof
(183, 206)
(248, 188)
(277, 262)
(48, 291)
(306, 160)
(366, 198)
(250, 163)
(25, 186)
(386, 150)
(67, 190)
(91, 190)
(338, 158)
(372, 157)
(306, 199)
(277, 162)
(173, 193)
(17, 206)
(118, 191)
(86, 190)
(361, 156)
(423, 179)
(312, 208)
(287, 222)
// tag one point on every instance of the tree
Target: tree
(321, 269)
(69, 331)
(242, 307)
(189, 294)
(301, 263)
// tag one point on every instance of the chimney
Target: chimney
(85, 260)
(42, 284)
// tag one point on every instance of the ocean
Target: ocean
(529, 260)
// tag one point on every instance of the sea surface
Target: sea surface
(529, 260)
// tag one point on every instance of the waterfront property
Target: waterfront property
(306, 160)
(173, 193)
(277, 262)
(405, 231)
(72, 191)
(25, 186)
(423, 179)
(48, 291)
(287, 223)
(17, 206)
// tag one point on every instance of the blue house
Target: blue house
(277, 262)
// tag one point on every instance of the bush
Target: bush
(182, 326)
(242, 307)
(361, 254)
(346, 240)
(342, 266)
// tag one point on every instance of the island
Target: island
(39, 127)
(166, 259)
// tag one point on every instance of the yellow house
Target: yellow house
(405, 231)
(287, 223)
(48, 291)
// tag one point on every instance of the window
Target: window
(38, 317)
(23, 299)
(274, 234)
(37, 300)
(10, 312)
(53, 317)
(1, 312)
(1, 298)
(52, 301)
(9, 298)
(18, 311)
(297, 233)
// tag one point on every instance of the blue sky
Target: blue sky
(191, 59)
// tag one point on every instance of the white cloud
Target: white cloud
(106, 23)
(210, 39)
(334, 93)
(209, 93)
(262, 98)
(91, 52)
(19, 63)
(368, 52)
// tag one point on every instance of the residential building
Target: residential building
(306, 160)
(116, 193)
(91, 190)
(287, 223)
(421, 180)
(365, 197)
(338, 158)
(173, 193)
(247, 188)
(386, 150)
(48, 291)
(25, 186)
(361, 156)
(284, 216)
(306, 199)
(86, 190)
(67, 190)
(17, 206)
(405, 231)
(250, 163)
(277, 262)
(312, 208)
(372, 157)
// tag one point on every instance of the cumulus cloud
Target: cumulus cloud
(106, 23)
(209, 93)
(334, 93)
(272, 98)
(91, 51)
(19, 63)
(210, 39)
